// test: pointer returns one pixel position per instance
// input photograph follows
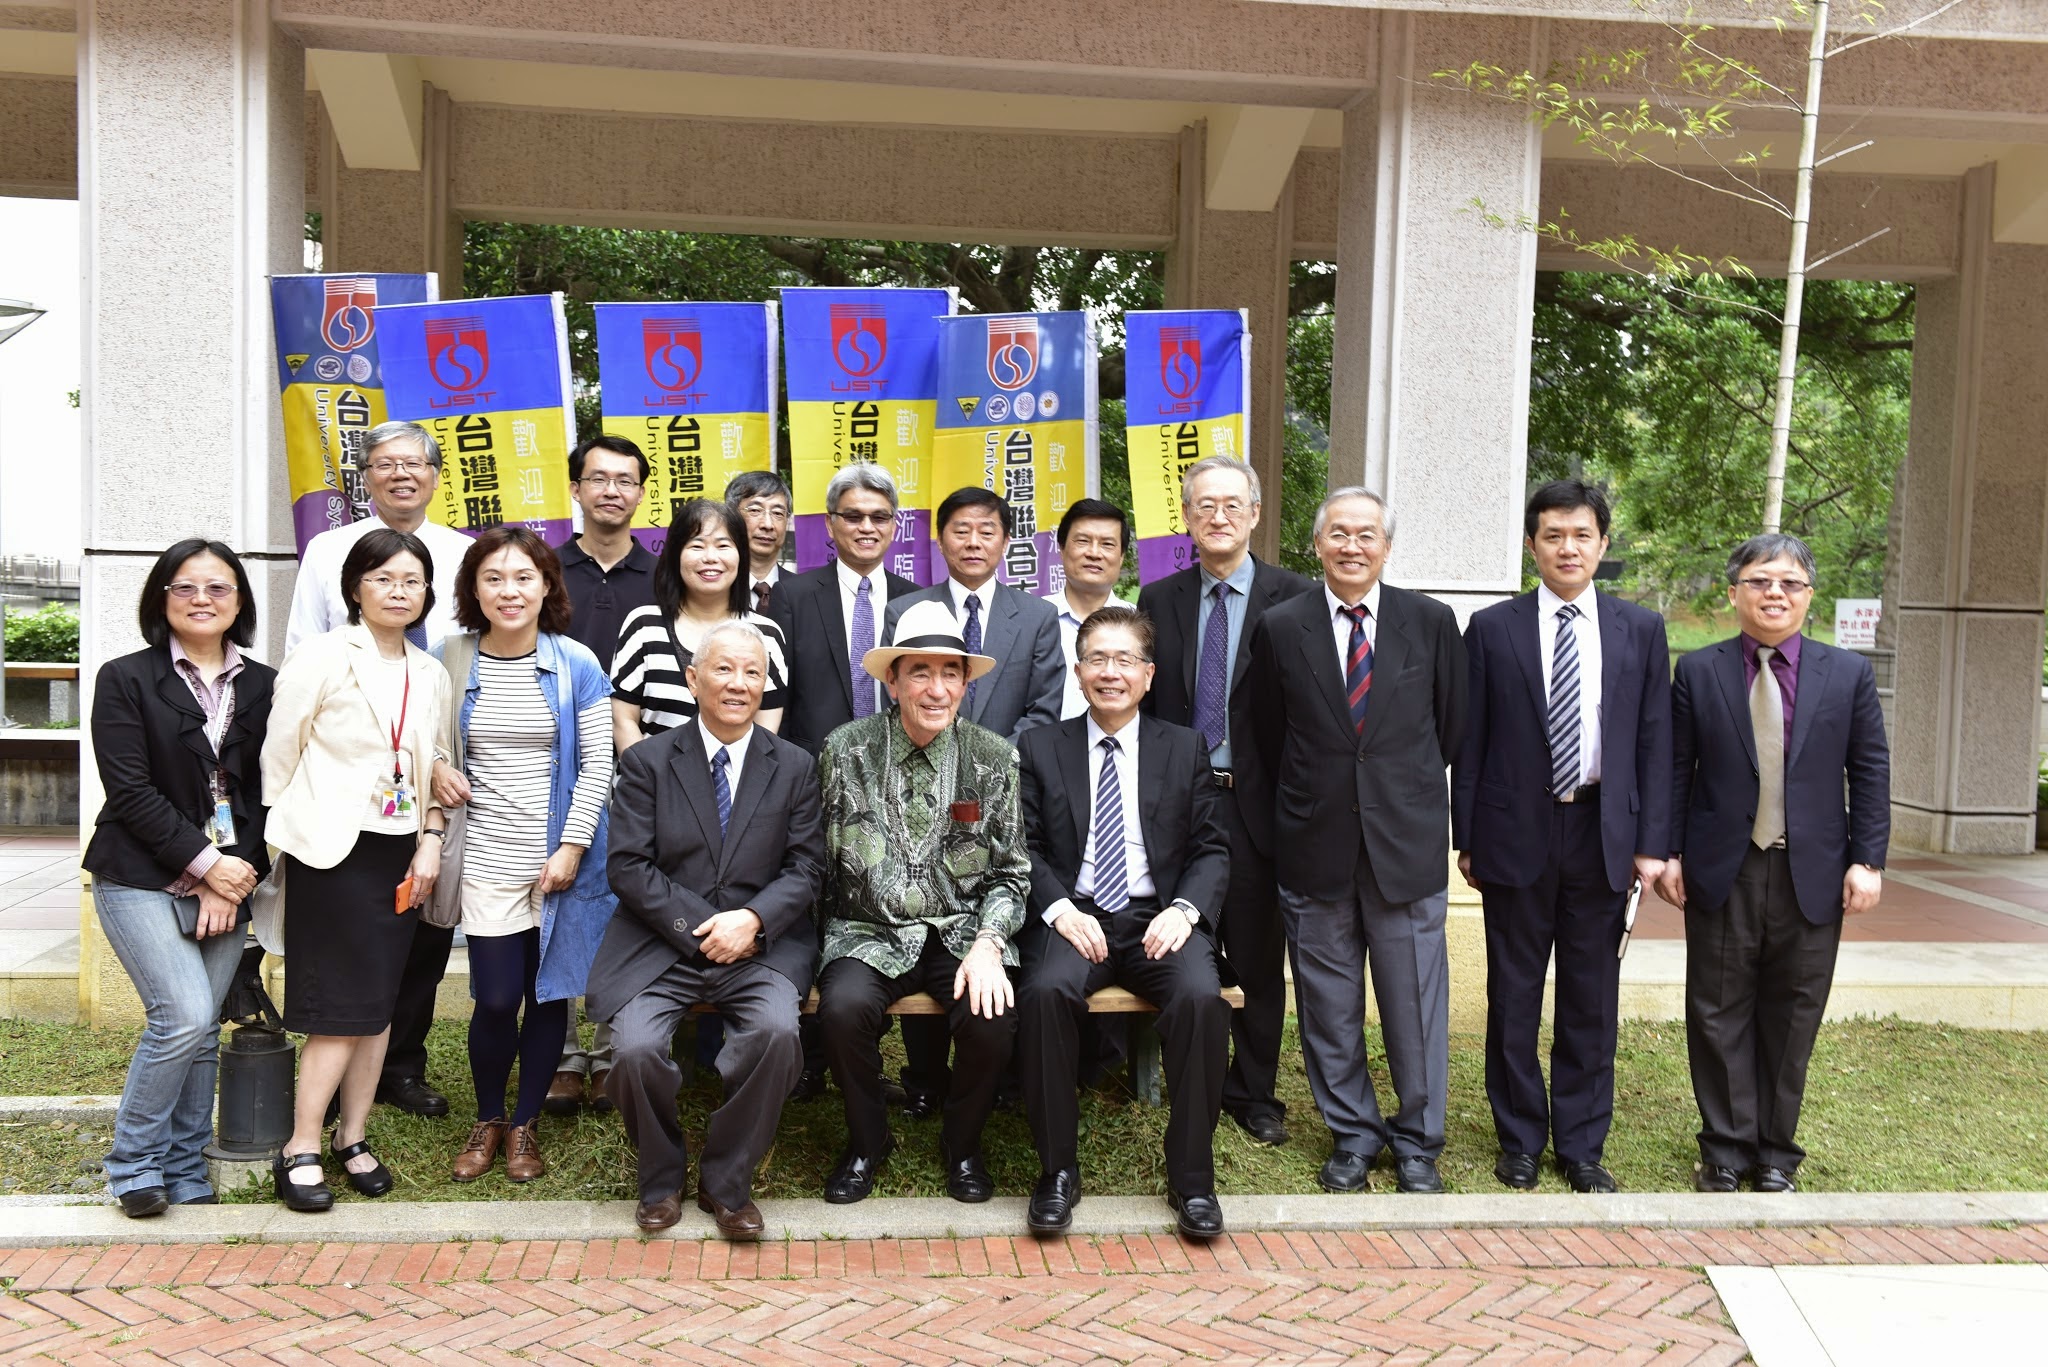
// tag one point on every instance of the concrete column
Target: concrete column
(1239, 259)
(1971, 551)
(1430, 379)
(384, 220)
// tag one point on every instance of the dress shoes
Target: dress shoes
(1052, 1202)
(967, 1179)
(143, 1202)
(209, 1199)
(486, 1137)
(600, 1100)
(1196, 1217)
(1764, 1177)
(1263, 1126)
(1715, 1178)
(1417, 1175)
(742, 1226)
(810, 1085)
(565, 1093)
(523, 1162)
(1517, 1170)
(310, 1197)
(411, 1094)
(1588, 1178)
(376, 1181)
(918, 1104)
(659, 1212)
(1345, 1171)
(854, 1178)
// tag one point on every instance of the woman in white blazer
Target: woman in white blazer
(357, 715)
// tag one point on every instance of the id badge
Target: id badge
(221, 829)
(394, 798)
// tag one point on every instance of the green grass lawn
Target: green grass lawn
(1891, 1106)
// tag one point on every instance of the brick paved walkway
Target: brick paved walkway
(1453, 1296)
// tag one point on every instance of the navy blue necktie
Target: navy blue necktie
(972, 636)
(1563, 722)
(718, 763)
(1212, 672)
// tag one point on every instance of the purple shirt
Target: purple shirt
(211, 700)
(1784, 667)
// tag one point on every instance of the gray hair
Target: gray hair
(1769, 546)
(1354, 491)
(860, 475)
(384, 433)
(732, 627)
(1208, 464)
(755, 484)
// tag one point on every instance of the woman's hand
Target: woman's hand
(560, 870)
(426, 868)
(232, 877)
(451, 788)
(216, 913)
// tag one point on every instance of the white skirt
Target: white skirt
(490, 908)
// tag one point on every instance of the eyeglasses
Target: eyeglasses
(392, 467)
(216, 589)
(866, 519)
(1364, 541)
(384, 583)
(1124, 664)
(597, 484)
(1759, 583)
(1232, 509)
(774, 512)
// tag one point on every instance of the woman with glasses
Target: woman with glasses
(353, 732)
(175, 852)
(534, 737)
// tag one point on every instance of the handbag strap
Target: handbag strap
(458, 656)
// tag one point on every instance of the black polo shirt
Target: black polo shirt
(601, 599)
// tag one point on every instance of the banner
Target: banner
(693, 386)
(1017, 415)
(1187, 396)
(490, 379)
(863, 385)
(332, 386)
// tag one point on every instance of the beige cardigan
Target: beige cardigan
(326, 748)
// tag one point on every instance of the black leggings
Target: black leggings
(502, 969)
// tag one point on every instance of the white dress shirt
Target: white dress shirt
(317, 604)
(1137, 871)
(1340, 623)
(1586, 634)
(1073, 702)
(735, 756)
(878, 601)
(958, 593)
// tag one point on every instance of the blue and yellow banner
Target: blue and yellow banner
(332, 385)
(1187, 396)
(1017, 415)
(693, 386)
(863, 386)
(490, 379)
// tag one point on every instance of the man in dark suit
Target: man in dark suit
(1560, 800)
(1767, 731)
(1202, 657)
(1357, 702)
(1128, 866)
(717, 856)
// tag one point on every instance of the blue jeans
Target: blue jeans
(166, 1113)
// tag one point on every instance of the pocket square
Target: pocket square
(968, 812)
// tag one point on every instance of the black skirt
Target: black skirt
(344, 947)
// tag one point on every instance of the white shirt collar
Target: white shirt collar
(712, 745)
(1547, 603)
(850, 581)
(1371, 600)
(960, 593)
(1126, 739)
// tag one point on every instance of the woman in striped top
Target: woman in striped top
(533, 763)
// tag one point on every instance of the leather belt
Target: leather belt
(1586, 793)
(1224, 778)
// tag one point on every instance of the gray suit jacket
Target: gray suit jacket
(1022, 635)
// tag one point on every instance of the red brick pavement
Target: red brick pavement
(1449, 1296)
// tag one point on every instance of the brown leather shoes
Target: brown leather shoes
(523, 1162)
(659, 1213)
(565, 1094)
(741, 1226)
(485, 1138)
(598, 1100)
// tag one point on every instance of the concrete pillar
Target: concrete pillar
(383, 220)
(1430, 378)
(1971, 552)
(191, 188)
(1239, 259)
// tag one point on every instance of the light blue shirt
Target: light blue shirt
(1240, 582)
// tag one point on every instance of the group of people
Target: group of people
(695, 783)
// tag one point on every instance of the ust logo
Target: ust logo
(1180, 361)
(345, 318)
(458, 357)
(1012, 351)
(860, 341)
(673, 352)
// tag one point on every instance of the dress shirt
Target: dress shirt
(601, 599)
(1784, 665)
(1340, 623)
(735, 753)
(754, 582)
(878, 600)
(317, 604)
(210, 698)
(1240, 582)
(1073, 703)
(958, 593)
(1586, 633)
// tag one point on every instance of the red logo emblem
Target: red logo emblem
(860, 338)
(1012, 351)
(458, 353)
(346, 321)
(673, 350)
(1180, 361)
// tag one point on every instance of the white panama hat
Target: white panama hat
(926, 628)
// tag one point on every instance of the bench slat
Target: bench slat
(1110, 1000)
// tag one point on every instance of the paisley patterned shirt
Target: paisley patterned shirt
(920, 841)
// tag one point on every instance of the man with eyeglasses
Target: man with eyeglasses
(1769, 731)
(1093, 536)
(763, 503)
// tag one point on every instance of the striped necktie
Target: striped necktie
(1357, 668)
(1112, 878)
(971, 637)
(718, 763)
(1564, 706)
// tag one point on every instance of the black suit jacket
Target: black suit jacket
(672, 872)
(1837, 738)
(1500, 783)
(1329, 789)
(1186, 848)
(806, 607)
(149, 741)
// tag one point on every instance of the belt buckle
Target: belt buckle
(1224, 778)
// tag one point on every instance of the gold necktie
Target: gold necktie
(1767, 720)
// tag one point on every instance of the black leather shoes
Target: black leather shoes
(1517, 1170)
(209, 1199)
(411, 1094)
(810, 1085)
(1588, 1178)
(1052, 1202)
(1196, 1217)
(1345, 1171)
(375, 1182)
(967, 1180)
(1263, 1126)
(854, 1178)
(1715, 1178)
(919, 1105)
(1764, 1177)
(143, 1202)
(1417, 1175)
(310, 1197)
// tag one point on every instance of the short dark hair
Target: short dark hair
(555, 607)
(755, 484)
(1769, 546)
(1115, 614)
(973, 496)
(690, 521)
(1096, 507)
(156, 624)
(618, 446)
(374, 551)
(1563, 496)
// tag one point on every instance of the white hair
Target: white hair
(1354, 491)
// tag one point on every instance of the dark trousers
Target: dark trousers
(414, 1014)
(853, 1011)
(1253, 945)
(1194, 1035)
(1757, 975)
(1571, 910)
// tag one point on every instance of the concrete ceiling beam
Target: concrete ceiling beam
(2019, 208)
(1251, 150)
(373, 102)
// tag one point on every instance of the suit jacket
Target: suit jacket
(1500, 783)
(1837, 737)
(1022, 635)
(1331, 790)
(1186, 846)
(1173, 604)
(806, 607)
(673, 872)
(149, 741)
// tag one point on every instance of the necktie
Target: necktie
(761, 596)
(1564, 706)
(1112, 881)
(1212, 672)
(417, 634)
(1767, 719)
(1357, 668)
(718, 763)
(973, 639)
(859, 642)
